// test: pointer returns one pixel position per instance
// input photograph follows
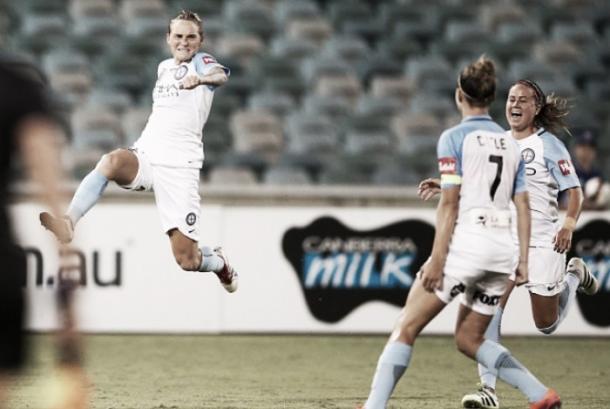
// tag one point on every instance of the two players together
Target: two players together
(488, 199)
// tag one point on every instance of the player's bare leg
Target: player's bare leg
(185, 250)
(545, 310)
(485, 397)
(420, 308)
(469, 333)
(192, 258)
(550, 311)
(470, 330)
(120, 165)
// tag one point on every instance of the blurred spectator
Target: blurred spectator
(30, 130)
(597, 192)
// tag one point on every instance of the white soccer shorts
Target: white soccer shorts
(546, 270)
(480, 290)
(176, 194)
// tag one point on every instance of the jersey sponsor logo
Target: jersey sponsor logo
(208, 59)
(447, 165)
(457, 289)
(528, 155)
(180, 72)
(565, 167)
(486, 299)
(339, 268)
(191, 218)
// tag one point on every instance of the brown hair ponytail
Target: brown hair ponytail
(478, 82)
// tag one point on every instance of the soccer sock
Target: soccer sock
(210, 261)
(568, 294)
(391, 365)
(566, 297)
(495, 357)
(88, 193)
(488, 378)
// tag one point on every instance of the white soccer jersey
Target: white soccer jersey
(548, 170)
(173, 133)
(478, 155)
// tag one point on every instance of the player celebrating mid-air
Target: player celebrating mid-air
(481, 171)
(531, 115)
(168, 155)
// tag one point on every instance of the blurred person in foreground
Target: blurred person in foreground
(168, 156)
(596, 191)
(472, 254)
(534, 119)
(30, 128)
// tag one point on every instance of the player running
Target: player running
(549, 171)
(168, 155)
(481, 171)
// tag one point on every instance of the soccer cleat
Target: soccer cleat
(61, 227)
(484, 398)
(228, 275)
(551, 400)
(588, 283)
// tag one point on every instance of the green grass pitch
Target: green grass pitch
(306, 372)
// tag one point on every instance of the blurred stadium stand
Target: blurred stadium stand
(322, 92)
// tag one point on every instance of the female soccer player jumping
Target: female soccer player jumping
(168, 155)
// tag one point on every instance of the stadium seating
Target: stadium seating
(257, 132)
(293, 49)
(286, 175)
(229, 175)
(278, 103)
(311, 133)
(133, 121)
(305, 72)
(290, 10)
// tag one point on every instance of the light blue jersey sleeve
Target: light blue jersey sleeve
(520, 184)
(449, 153)
(204, 63)
(558, 162)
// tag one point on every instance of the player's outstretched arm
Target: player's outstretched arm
(429, 188)
(563, 238)
(522, 203)
(216, 77)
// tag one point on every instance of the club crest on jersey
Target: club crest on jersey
(180, 72)
(528, 155)
(191, 218)
(447, 166)
(565, 167)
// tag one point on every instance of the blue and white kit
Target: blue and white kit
(479, 157)
(548, 170)
(170, 149)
